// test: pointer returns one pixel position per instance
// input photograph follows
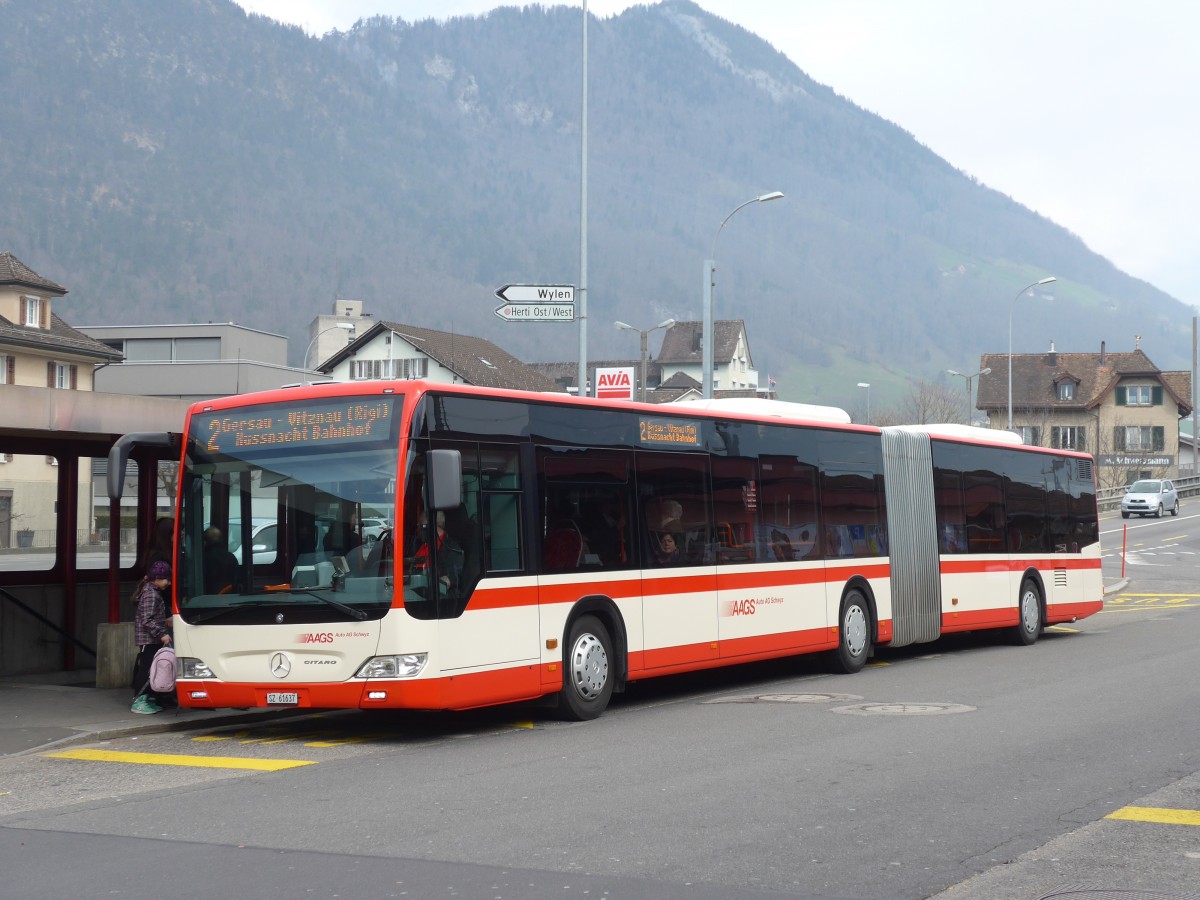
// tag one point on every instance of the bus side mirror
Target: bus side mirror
(119, 453)
(444, 471)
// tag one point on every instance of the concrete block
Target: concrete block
(115, 654)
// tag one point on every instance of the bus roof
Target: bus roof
(964, 432)
(760, 407)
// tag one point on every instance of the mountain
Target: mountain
(178, 160)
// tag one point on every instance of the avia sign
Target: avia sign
(616, 384)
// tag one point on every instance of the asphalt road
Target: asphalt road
(967, 769)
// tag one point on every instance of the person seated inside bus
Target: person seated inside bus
(449, 553)
(221, 572)
(342, 537)
(667, 549)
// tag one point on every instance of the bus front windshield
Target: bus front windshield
(284, 510)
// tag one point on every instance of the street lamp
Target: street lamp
(667, 323)
(710, 268)
(969, 379)
(864, 384)
(344, 326)
(1013, 309)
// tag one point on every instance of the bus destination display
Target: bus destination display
(323, 422)
(668, 433)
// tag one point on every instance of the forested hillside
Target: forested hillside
(178, 160)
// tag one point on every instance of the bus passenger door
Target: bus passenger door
(679, 574)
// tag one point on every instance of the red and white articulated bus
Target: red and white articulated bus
(542, 546)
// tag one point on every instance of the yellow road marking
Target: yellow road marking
(179, 759)
(1193, 596)
(1130, 609)
(1161, 816)
(1062, 628)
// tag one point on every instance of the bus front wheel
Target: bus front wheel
(587, 670)
(1029, 612)
(854, 633)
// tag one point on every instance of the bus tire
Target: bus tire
(588, 670)
(854, 633)
(1029, 614)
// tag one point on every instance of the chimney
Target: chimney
(1102, 354)
(1052, 357)
(1137, 342)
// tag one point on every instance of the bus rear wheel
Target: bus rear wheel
(587, 670)
(854, 633)
(1029, 612)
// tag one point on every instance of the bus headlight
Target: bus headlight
(404, 665)
(190, 667)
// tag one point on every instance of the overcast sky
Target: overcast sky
(1087, 111)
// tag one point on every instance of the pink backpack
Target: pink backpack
(162, 670)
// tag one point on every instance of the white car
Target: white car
(264, 541)
(373, 529)
(1149, 497)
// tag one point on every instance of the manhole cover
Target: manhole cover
(789, 698)
(903, 709)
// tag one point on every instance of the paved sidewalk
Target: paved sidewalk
(39, 711)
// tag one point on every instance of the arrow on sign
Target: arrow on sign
(537, 293)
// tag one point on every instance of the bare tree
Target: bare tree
(930, 403)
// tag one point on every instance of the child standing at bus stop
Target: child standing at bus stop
(151, 630)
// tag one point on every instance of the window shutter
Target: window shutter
(1158, 437)
(50, 374)
(1118, 437)
(74, 378)
(46, 313)
(10, 365)
(21, 319)
(1156, 395)
(1120, 396)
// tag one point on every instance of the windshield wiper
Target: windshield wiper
(351, 611)
(227, 610)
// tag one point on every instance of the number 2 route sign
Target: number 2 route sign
(537, 303)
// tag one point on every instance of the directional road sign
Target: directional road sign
(537, 312)
(537, 293)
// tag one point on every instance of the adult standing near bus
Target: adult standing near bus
(151, 630)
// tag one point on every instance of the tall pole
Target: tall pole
(864, 384)
(969, 379)
(583, 211)
(1011, 310)
(645, 353)
(1195, 462)
(710, 269)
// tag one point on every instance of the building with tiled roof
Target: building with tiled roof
(40, 355)
(396, 350)
(1118, 406)
(37, 347)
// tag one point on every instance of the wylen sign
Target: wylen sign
(537, 303)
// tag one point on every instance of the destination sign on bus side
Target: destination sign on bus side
(668, 433)
(322, 422)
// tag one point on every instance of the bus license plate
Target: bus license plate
(276, 698)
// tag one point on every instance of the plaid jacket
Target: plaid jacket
(150, 617)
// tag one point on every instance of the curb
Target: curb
(1116, 586)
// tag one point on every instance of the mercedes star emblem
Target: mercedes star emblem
(281, 666)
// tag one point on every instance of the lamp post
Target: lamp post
(1013, 309)
(344, 326)
(667, 323)
(969, 379)
(710, 268)
(867, 385)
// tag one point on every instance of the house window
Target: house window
(372, 369)
(1066, 390)
(33, 311)
(1030, 434)
(6, 369)
(1068, 437)
(1141, 395)
(1143, 438)
(61, 376)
